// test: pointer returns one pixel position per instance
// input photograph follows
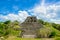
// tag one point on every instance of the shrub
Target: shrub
(44, 32)
(52, 34)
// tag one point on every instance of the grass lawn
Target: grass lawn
(17, 38)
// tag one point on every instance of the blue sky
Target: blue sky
(48, 10)
(15, 5)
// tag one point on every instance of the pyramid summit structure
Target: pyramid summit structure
(30, 27)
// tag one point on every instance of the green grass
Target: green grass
(17, 38)
(26, 39)
(57, 38)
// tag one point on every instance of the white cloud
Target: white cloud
(57, 21)
(44, 11)
(39, 9)
(21, 16)
(50, 15)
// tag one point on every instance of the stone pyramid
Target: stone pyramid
(30, 27)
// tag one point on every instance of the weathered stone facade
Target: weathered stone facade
(30, 27)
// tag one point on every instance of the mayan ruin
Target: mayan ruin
(30, 27)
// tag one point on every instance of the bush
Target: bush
(52, 34)
(44, 32)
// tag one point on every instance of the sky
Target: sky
(47, 10)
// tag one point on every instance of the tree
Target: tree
(57, 26)
(41, 21)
